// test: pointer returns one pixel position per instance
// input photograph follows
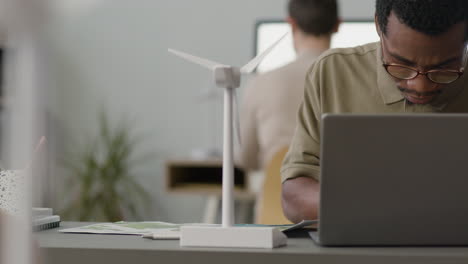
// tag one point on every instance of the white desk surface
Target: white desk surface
(115, 249)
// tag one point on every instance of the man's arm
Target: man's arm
(300, 199)
(301, 167)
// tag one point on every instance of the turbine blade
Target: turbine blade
(251, 65)
(200, 61)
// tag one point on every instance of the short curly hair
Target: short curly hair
(315, 17)
(431, 17)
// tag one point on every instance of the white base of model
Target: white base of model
(240, 237)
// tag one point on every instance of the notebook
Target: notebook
(43, 218)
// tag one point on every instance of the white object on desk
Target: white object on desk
(248, 236)
(251, 237)
(41, 211)
(229, 77)
(43, 218)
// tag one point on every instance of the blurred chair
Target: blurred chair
(270, 211)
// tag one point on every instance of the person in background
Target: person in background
(418, 66)
(271, 100)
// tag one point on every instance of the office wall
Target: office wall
(115, 56)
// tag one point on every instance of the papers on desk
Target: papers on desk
(159, 230)
(127, 228)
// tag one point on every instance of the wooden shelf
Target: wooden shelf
(202, 177)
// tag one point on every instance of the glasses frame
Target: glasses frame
(417, 72)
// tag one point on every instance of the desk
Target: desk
(116, 249)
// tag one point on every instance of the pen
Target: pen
(162, 236)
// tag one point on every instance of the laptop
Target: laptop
(393, 180)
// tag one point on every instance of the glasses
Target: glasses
(437, 76)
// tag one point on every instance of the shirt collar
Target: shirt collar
(310, 53)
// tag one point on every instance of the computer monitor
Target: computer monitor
(351, 33)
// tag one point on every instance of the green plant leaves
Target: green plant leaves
(102, 184)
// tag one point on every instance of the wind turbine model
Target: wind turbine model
(227, 235)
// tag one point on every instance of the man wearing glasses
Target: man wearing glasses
(418, 66)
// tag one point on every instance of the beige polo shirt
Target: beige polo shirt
(353, 80)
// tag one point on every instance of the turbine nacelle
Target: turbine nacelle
(227, 76)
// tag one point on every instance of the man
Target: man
(271, 100)
(416, 67)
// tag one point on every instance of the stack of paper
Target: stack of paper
(43, 218)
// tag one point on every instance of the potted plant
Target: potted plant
(102, 183)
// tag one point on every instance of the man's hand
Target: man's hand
(300, 199)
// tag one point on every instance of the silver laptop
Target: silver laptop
(394, 180)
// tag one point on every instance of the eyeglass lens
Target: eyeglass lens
(437, 76)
